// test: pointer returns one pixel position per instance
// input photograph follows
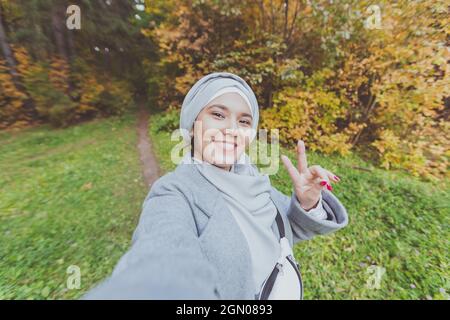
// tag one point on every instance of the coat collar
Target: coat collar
(201, 186)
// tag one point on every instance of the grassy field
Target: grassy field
(67, 197)
(398, 231)
(72, 197)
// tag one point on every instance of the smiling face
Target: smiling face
(222, 130)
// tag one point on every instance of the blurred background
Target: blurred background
(364, 83)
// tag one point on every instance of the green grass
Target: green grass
(67, 197)
(396, 222)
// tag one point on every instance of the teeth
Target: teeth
(228, 145)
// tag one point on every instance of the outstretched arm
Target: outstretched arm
(165, 260)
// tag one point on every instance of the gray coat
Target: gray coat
(187, 244)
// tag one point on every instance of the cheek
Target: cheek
(244, 138)
(209, 122)
(204, 136)
(209, 128)
(240, 149)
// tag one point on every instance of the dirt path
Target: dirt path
(150, 167)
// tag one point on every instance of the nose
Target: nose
(232, 131)
(232, 128)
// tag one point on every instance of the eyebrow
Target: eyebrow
(221, 106)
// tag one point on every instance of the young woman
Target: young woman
(215, 228)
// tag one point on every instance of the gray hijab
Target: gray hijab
(204, 89)
(245, 190)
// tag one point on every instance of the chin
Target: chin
(220, 157)
(223, 160)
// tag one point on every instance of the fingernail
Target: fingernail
(337, 178)
(323, 182)
(329, 187)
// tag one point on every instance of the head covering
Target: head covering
(208, 88)
(230, 90)
(203, 92)
(245, 190)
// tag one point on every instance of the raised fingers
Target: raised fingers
(301, 157)
(321, 177)
(290, 168)
(332, 176)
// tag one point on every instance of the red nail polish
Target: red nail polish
(337, 178)
(329, 187)
(323, 182)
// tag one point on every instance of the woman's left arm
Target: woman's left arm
(306, 224)
(312, 209)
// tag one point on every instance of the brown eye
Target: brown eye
(217, 114)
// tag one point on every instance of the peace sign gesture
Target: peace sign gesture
(308, 182)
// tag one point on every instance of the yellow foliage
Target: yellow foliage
(59, 74)
(310, 116)
(402, 71)
(90, 95)
(11, 101)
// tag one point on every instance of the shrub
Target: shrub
(168, 122)
(11, 100)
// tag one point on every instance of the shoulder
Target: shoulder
(168, 203)
(169, 182)
(180, 182)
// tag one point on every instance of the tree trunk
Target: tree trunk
(12, 68)
(7, 52)
(58, 31)
(368, 110)
(286, 15)
(63, 49)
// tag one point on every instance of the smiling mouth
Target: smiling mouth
(226, 146)
(229, 144)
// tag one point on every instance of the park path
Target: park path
(150, 167)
